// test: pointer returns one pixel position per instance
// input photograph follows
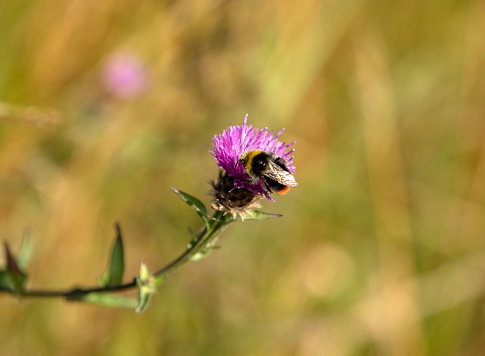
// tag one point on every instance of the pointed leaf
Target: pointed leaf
(16, 275)
(206, 250)
(114, 275)
(143, 300)
(105, 299)
(144, 273)
(146, 284)
(195, 204)
(5, 280)
(260, 215)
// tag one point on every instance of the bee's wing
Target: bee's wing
(278, 174)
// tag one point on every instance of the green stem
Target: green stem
(217, 225)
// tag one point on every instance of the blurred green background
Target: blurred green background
(380, 250)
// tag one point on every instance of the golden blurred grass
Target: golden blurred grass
(380, 250)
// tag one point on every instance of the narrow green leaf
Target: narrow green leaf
(143, 300)
(206, 250)
(195, 204)
(201, 254)
(105, 300)
(5, 280)
(260, 215)
(117, 266)
(144, 273)
(103, 279)
(25, 253)
(146, 284)
(16, 275)
(114, 274)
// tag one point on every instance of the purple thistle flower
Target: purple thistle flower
(228, 147)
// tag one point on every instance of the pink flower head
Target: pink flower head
(228, 147)
(124, 76)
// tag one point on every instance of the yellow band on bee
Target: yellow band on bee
(248, 157)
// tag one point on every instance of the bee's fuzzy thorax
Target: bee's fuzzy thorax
(247, 159)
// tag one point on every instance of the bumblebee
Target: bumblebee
(272, 169)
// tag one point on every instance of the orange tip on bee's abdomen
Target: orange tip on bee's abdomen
(283, 191)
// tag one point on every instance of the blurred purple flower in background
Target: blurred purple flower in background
(124, 76)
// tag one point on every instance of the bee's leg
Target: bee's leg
(267, 185)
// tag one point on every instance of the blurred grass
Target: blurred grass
(380, 250)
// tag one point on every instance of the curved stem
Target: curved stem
(200, 242)
(218, 224)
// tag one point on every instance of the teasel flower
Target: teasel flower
(234, 191)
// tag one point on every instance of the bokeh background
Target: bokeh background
(105, 105)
